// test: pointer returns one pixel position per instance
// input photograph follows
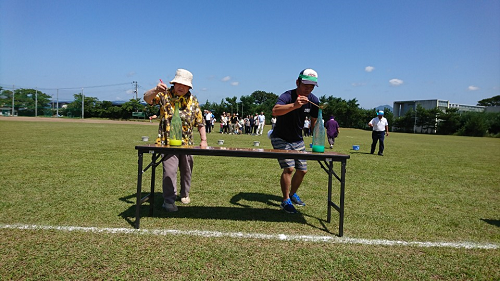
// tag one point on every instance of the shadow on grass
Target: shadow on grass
(359, 152)
(241, 212)
(492, 222)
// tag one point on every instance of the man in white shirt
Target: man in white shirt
(208, 121)
(380, 130)
(262, 122)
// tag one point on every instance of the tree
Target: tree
(448, 121)
(405, 123)
(426, 119)
(493, 122)
(493, 101)
(90, 107)
(473, 124)
(232, 105)
(25, 100)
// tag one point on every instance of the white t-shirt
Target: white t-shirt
(307, 123)
(262, 119)
(379, 124)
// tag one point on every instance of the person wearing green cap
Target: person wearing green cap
(291, 110)
(380, 131)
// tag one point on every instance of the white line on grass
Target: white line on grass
(283, 237)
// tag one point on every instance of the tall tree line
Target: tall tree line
(347, 112)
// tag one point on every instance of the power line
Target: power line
(66, 88)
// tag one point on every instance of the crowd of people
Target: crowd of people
(233, 124)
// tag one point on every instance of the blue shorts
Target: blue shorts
(290, 163)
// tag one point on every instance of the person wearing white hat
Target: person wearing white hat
(380, 127)
(191, 116)
(291, 110)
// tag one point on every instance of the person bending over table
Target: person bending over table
(291, 110)
(191, 117)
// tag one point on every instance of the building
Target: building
(401, 107)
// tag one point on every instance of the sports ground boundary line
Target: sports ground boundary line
(281, 237)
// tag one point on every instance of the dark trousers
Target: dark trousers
(208, 126)
(378, 136)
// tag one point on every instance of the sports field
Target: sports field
(426, 210)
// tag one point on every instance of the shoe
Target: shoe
(296, 200)
(169, 207)
(288, 207)
(331, 146)
(381, 154)
(185, 200)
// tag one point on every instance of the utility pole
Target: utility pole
(57, 103)
(135, 82)
(83, 98)
(36, 102)
(13, 91)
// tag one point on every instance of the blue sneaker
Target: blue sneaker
(296, 200)
(288, 207)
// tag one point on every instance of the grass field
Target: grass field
(428, 209)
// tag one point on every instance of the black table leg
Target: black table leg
(153, 177)
(330, 178)
(139, 188)
(342, 196)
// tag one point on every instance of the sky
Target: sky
(376, 52)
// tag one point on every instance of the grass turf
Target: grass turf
(425, 188)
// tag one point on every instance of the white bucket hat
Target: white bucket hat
(309, 76)
(183, 77)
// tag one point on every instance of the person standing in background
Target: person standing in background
(208, 121)
(332, 130)
(255, 123)
(273, 122)
(307, 124)
(262, 122)
(380, 127)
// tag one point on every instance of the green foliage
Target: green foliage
(473, 124)
(257, 102)
(493, 101)
(449, 121)
(346, 112)
(25, 101)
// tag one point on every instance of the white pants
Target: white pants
(260, 129)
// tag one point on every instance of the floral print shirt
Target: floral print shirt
(189, 111)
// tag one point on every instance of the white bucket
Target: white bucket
(256, 143)
(220, 142)
(145, 138)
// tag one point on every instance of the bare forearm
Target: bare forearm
(150, 95)
(279, 109)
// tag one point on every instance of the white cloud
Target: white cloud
(369, 68)
(396, 82)
(130, 74)
(235, 83)
(473, 88)
(354, 84)
(225, 79)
